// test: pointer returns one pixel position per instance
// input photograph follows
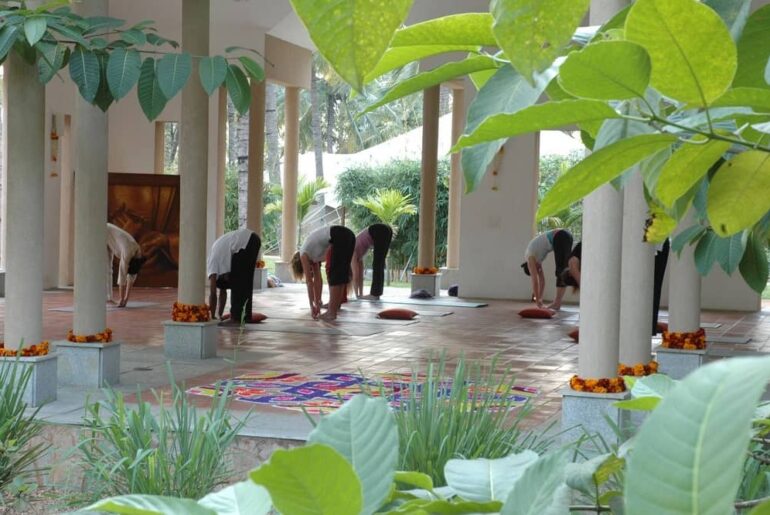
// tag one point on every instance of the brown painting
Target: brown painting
(147, 207)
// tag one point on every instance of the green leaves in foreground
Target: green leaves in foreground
(85, 73)
(738, 195)
(151, 98)
(600, 167)
(754, 266)
(485, 480)
(148, 504)
(541, 489)
(123, 70)
(685, 459)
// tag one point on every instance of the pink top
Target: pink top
(364, 242)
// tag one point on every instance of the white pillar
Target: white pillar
(91, 151)
(256, 157)
(600, 283)
(193, 158)
(684, 287)
(24, 101)
(455, 181)
(637, 277)
(427, 216)
(290, 173)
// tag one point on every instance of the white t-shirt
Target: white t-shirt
(220, 259)
(540, 246)
(316, 244)
(122, 245)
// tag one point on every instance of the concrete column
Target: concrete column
(600, 283)
(221, 159)
(637, 277)
(160, 147)
(684, 286)
(193, 158)
(427, 220)
(25, 168)
(290, 173)
(455, 181)
(256, 157)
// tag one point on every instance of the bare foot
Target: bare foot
(327, 317)
(554, 307)
(122, 304)
(111, 302)
(370, 297)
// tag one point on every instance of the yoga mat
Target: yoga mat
(705, 325)
(311, 327)
(360, 309)
(728, 339)
(323, 393)
(426, 302)
(110, 307)
(360, 317)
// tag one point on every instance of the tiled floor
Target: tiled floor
(537, 351)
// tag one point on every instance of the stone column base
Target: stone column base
(449, 276)
(429, 282)
(186, 341)
(42, 383)
(583, 412)
(677, 363)
(260, 279)
(88, 364)
(283, 272)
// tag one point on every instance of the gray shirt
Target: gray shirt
(540, 246)
(316, 244)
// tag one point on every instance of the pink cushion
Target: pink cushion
(397, 314)
(536, 313)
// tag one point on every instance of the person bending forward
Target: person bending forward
(231, 267)
(560, 242)
(378, 236)
(121, 245)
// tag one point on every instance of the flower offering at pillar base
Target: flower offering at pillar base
(260, 264)
(602, 385)
(104, 337)
(685, 341)
(41, 349)
(190, 312)
(425, 270)
(638, 370)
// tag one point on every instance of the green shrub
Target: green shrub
(131, 450)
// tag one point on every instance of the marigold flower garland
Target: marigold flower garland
(260, 264)
(104, 337)
(427, 270)
(685, 341)
(41, 349)
(603, 385)
(638, 370)
(190, 312)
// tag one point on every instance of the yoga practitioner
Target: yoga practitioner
(379, 237)
(121, 245)
(231, 266)
(560, 242)
(306, 263)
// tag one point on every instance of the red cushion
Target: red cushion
(397, 314)
(662, 326)
(574, 334)
(255, 317)
(536, 313)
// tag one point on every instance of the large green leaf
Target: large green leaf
(487, 480)
(51, 60)
(34, 29)
(311, 480)
(688, 455)
(212, 72)
(84, 71)
(506, 92)
(352, 34)
(396, 57)
(738, 195)
(755, 98)
(123, 70)
(456, 29)
(533, 34)
(244, 498)
(550, 115)
(104, 98)
(599, 168)
(151, 98)
(541, 489)
(587, 476)
(730, 252)
(686, 166)
(684, 39)
(433, 77)
(608, 70)
(8, 36)
(761, 509)
(173, 72)
(647, 392)
(754, 50)
(364, 431)
(149, 505)
(754, 266)
(706, 252)
(687, 236)
(251, 67)
(238, 88)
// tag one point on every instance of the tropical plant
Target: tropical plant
(18, 429)
(388, 205)
(178, 452)
(643, 89)
(552, 167)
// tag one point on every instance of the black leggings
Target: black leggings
(661, 260)
(242, 279)
(381, 236)
(343, 243)
(562, 249)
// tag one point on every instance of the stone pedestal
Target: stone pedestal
(186, 341)
(677, 363)
(41, 388)
(284, 273)
(583, 412)
(429, 282)
(449, 276)
(260, 279)
(88, 364)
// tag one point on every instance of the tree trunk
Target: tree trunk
(315, 122)
(330, 120)
(172, 142)
(232, 128)
(272, 136)
(239, 147)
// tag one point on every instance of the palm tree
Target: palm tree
(307, 194)
(388, 205)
